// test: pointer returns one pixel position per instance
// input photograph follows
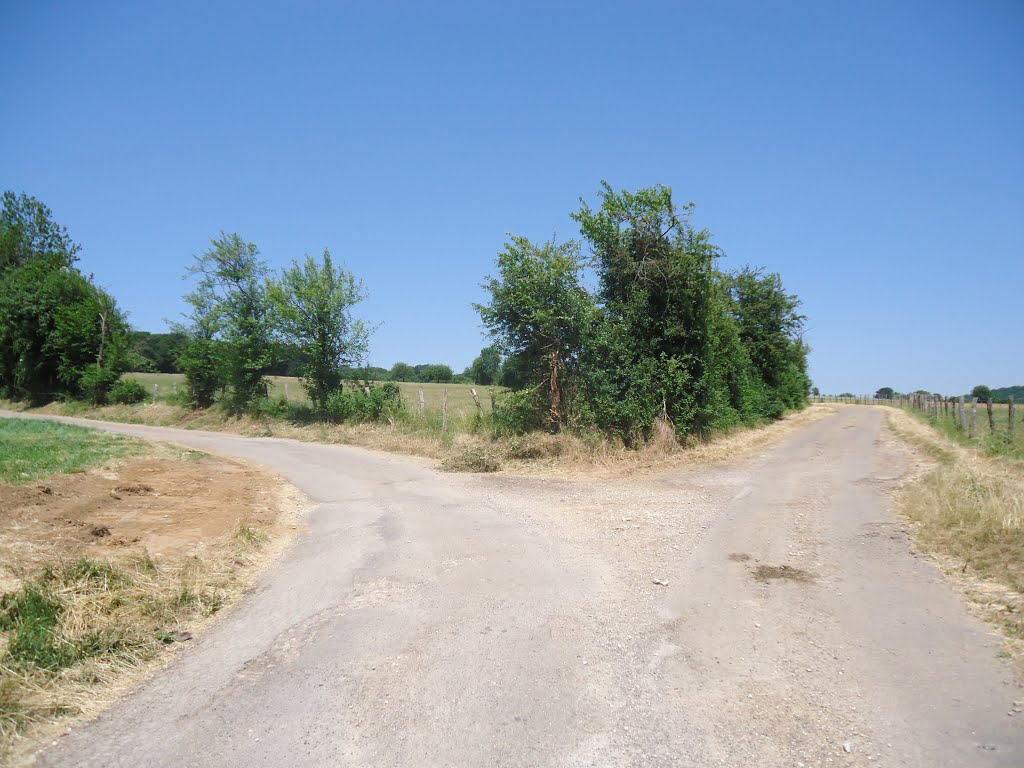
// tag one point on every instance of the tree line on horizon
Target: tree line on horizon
(983, 392)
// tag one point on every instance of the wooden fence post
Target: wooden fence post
(423, 404)
(963, 414)
(991, 418)
(1009, 416)
(974, 416)
(476, 399)
(444, 410)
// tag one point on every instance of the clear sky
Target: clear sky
(870, 152)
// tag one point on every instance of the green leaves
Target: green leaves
(667, 336)
(230, 303)
(314, 301)
(60, 334)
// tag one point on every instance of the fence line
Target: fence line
(963, 413)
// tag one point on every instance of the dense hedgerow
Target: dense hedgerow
(666, 335)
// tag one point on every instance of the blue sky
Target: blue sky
(870, 152)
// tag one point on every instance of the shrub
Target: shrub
(375, 403)
(96, 383)
(269, 408)
(518, 413)
(128, 392)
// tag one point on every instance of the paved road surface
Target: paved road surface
(426, 619)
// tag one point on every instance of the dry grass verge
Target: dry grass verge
(105, 572)
(968, 510)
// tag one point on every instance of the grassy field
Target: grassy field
(995, 438)
(32, 450)
(460, 398)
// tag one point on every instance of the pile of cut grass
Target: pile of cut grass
(31, 450)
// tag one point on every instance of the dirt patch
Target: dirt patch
(165, 506)
(146, 550)
(739, 557)
(766, 573)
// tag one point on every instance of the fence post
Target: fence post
(423, 404)
(476, 399)
(1009, 423)
(991, 418)
(974, 416)
(963, 414)
(444, 410)
(286, 390)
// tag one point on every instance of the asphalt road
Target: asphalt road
(426, 619)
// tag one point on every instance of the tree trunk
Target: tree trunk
(556, 395)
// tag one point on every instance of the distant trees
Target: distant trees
(436, 373)
(60, 334)
(314, 301)
(982, 392)
(486, 368)
(666, 336)
(885, 393)
(402, 372)
(157, 352)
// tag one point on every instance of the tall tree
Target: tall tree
(314, 300)
(60, 335)
(200, 355)
(537, 313)
(233, 297)
(28, 231)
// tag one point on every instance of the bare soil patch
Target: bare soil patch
(139, 552)
(166, 506)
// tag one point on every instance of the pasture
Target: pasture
(162, 386)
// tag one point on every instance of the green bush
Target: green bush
(518, 413)
(95, 383)
(374, 403)
(128, 392)
(269, 408)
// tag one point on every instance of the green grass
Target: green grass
(32, 450)
(163, 386)
(994, 442)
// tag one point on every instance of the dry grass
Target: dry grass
(968, 508)
(594, 456)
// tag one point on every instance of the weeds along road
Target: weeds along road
(444, 620)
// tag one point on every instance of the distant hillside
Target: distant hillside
(1000, 395)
